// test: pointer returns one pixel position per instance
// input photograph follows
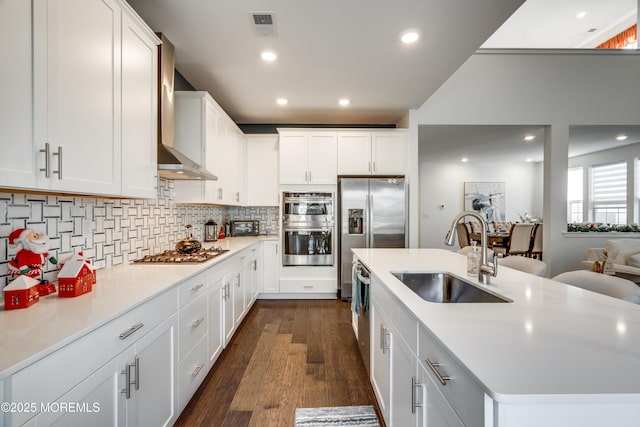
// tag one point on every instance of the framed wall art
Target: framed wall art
(486, 198)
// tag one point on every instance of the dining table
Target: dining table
(493, 239)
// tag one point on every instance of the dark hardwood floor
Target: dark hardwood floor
(286, 354)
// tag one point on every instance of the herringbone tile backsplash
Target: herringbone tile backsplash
(112, 231)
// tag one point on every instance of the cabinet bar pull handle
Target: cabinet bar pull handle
(434, 367)
(127, 382)
(196, 323)
(196, 371)
(136, 364)
(374, 166)
(308, 286)
(196, 287)
(59, 154)
(369, 166)
(131, 330)
(414, 404)
(47, 165)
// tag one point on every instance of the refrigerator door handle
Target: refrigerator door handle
(370, 220)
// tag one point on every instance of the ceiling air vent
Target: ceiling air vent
(264, 23)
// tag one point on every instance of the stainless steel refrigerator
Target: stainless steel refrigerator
(372, 213)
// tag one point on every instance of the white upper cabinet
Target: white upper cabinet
(62, 117)
(18, 162)
(77, 59)
(139, 111)
(372, 152)
(308, 157)
(261, 170)
(354, 153)
(209, 137)
(196, 133)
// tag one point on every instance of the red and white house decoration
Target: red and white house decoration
(21, 293)
(76, 277)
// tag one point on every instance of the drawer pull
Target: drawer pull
(197, 371)
(308, 286)
(131, 330)
(195, 288)
(196, 323)
(434, 367)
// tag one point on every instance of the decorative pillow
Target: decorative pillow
(619, 249)
(634, 260)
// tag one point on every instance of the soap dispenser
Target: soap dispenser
(473, 260)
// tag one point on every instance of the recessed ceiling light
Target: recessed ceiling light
(410, 36)
(581, 15)
(282, 101)
(268, 55)
(621, 137)
(464, 160)
(529, 138)
(344, 102)
(529, 160)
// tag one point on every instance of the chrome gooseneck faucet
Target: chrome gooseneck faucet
(486, 270)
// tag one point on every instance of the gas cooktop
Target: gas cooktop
(175, 257)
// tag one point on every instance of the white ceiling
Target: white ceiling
(498, 144)
(553, 24)
(326, 50)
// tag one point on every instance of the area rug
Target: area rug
(354, 416)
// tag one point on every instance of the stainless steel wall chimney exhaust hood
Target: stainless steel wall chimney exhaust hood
(171, 163)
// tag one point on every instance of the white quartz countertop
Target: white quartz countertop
(553, 341)
(27, 335)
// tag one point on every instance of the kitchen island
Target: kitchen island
(556, 355)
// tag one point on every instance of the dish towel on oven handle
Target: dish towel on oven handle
(359, 294)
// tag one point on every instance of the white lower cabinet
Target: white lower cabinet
(461, 391)
(135, 388)
(193, 360)
(381, 340)
(150, 368)
(408, 390)
(141, 368)
(215, 302)
(239, 297)
(99, 397)
(228, 324)
(403, 384)
(270, 267)
(434, 410)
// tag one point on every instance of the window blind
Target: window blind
(609, 184)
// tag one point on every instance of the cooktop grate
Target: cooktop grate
(175, 257)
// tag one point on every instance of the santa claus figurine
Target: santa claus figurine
(31, 257)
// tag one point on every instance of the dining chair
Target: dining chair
(605, 284)
(528, 265)
(536, 247)
(463, 234)
(520, 239)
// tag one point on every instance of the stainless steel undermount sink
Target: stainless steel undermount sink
(444, 287)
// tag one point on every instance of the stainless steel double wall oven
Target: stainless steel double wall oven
(307, 225)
